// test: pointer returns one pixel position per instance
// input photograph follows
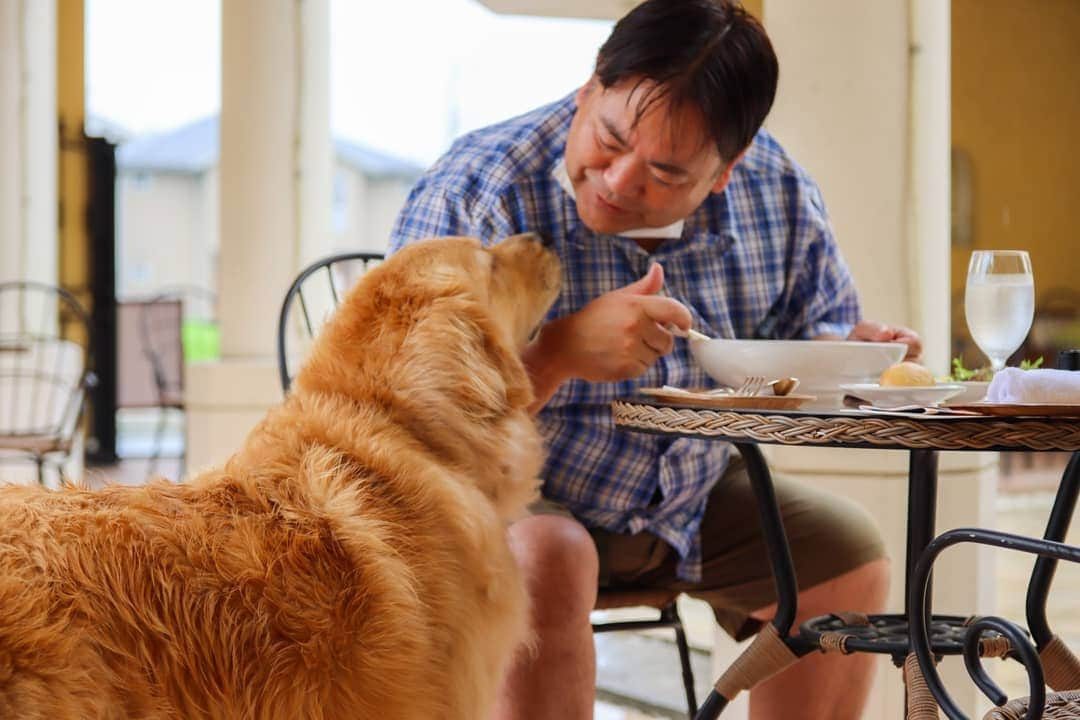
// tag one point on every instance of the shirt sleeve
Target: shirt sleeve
(822, 299)
(832, 303)
(429, 211)
(436, 207)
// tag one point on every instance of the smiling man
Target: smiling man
(668, 205)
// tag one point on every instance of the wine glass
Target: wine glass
(999, 302)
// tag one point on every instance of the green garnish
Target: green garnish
(984, 374)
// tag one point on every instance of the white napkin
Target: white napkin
(1013, 385)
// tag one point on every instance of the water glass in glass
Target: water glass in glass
(999, 302)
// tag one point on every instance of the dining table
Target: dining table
(916, 637)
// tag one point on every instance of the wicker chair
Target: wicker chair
(45, 353)
(311, 299)
(1059, 706)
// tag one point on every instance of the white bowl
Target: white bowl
(974, 391)
(821, 365)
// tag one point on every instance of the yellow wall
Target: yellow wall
(71, 105)
(1016, 111)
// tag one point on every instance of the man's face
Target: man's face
(648, 174)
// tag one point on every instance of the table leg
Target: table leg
(776, 542)
(922, 510)
(772, 650)
(921, 519)
(1043, 574)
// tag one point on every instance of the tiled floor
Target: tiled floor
(606, 711)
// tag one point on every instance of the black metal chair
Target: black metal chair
(318, 290)
(315, 293)
(45, 360)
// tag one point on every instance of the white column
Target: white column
(274, 207)
(863, 105)
(41, 232)
(28, 140)
(28, 159)
(316, 156)
(11, 134)
(929, 177)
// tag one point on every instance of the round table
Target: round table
(916, 636)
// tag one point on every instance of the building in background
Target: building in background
(167, 205)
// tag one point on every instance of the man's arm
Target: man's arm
(871, 331)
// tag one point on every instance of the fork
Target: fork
(751, 386)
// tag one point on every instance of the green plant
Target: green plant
(1031, 364)
(984, 374)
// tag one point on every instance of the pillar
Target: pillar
(28, 140)
(29, 247)
(274, 203)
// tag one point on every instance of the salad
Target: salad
(984, 374)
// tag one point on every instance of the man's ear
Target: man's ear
(725, 176)
(591, 84)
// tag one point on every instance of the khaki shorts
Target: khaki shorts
(829, 536)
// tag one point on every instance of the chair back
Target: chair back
(311, 299)
(140, 369)
(44, 373)
(175, 325)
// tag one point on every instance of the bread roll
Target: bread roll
(906, 374)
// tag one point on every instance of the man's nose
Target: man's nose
(623, 176)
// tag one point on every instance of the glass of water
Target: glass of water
(999, 302)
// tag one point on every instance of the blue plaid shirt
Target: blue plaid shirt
(756, 261)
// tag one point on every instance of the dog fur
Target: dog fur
(349, 561)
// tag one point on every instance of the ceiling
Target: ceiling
(600, 9)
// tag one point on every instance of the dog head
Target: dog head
(433, 336)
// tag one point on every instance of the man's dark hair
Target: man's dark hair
(710, 53)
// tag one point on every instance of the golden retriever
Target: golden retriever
(349, 561)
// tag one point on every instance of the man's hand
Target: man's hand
(870, 331)
(618, 335)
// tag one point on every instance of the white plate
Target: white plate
(879, 396)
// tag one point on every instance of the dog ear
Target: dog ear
(456, 353)
(498, 381)
(519, 390)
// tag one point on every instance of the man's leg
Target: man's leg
(556, 678)
(840, 565)
(829, 686)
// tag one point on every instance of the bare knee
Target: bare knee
(862, 589)
(558, 559)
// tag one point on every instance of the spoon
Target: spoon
(690, 334)
(784, 386)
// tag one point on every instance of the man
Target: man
(670, 208)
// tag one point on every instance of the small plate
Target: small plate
(705, 398)
(889, 396)
(974, 391)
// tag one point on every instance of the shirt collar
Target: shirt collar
(674, 230)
